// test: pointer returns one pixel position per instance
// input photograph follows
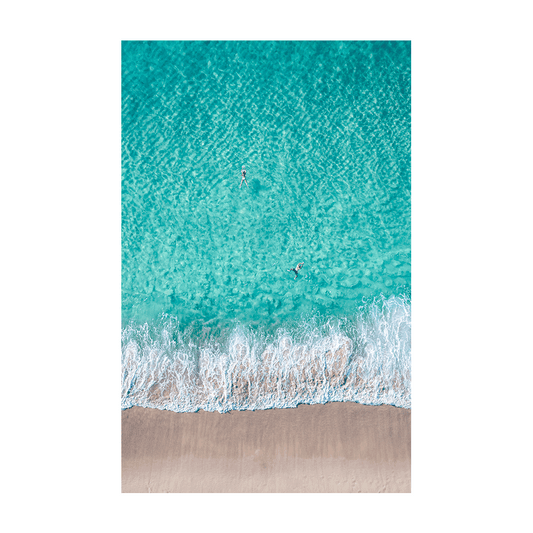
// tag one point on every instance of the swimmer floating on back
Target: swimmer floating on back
(295, 270)
(243, 172)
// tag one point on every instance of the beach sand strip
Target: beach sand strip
(336, 447)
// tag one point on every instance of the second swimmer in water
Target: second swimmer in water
(295, 270)
(243, 172)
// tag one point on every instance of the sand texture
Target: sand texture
(337, 447)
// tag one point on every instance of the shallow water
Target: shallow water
(323, 129)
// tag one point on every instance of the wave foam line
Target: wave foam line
(365, 358)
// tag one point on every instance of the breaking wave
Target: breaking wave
(364, 358)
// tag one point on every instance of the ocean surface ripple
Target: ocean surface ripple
(211, 319)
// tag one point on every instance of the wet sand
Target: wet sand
(337, 447)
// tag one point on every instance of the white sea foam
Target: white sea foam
(363, 358)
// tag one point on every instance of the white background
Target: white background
(419, 33)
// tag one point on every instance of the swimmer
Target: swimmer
(243, 172)
(295, 270)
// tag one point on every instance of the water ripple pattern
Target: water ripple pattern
(323, 129)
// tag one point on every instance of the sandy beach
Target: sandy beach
(337, 447)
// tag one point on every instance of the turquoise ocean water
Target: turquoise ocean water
(211, 317)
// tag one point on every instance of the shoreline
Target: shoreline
(334, 447)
